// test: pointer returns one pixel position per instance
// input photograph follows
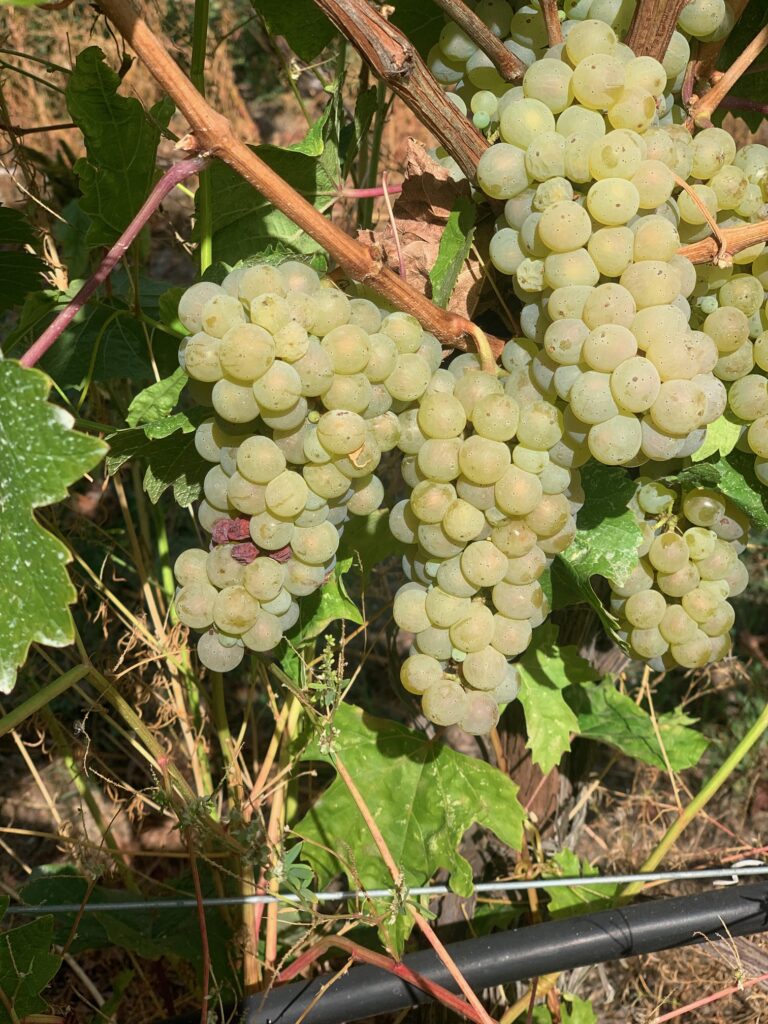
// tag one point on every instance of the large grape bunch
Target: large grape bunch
(674, 606)
(601, 188)
(302, 380)
(492, 501)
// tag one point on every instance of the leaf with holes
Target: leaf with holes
(40, 456)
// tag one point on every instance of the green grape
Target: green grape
(648, 643)
(483, 564)
(473, 630)
(611, 250)
(443, 609)
(501, 172)
(219, 313)
(607, 347)
(517, 492)
(613, 201)
(701, 18)
(419, 671)
(217, 656)
(462, 522)
(195, 604)
(444, 703)
(615, 441)
(409, 608)
(511, 636)
(481, 714)
(265, 633)
(270, 533)
(234, 610)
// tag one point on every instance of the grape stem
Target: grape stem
(722, 257)
(484, 350)
(652, 26)
(703, 108)
(393, 225)
(396, 62)
(509, 66)
(175, 174)
(552, 21)
(213, 135)
(735, 239)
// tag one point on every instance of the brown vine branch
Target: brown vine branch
(734, 239)
(395, 61)
(214, 136)
(15, 129)
(421, 922)
(704, 107)
(717, 234)
(510, 67)
(707, 54)
(652, 26)
(173, 176)
(552, 21)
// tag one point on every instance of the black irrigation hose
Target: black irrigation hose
(523, 953)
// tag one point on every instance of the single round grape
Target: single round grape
(550, 85)
(483, 564)
(634, 109)
(550, 515)
(190, 567)
(517, 492)
(409, 379)
(222, 569)
(526, 568)
(615, 441)
(651, 283)
(646, 609)
(613, 201)
(591, 399)
(443, 609)
(735, 365)
(195, 604)
(409, 608)
(481, 714)
(648, 643)
(265, 633)
(482, 460)
(330, 309)
(564, 226)
(703, 508)
(473, 630)
(315, 545)
(701, 17)
(680, 407)
(511, 636)
(640, 578)
(748, 397)
(202, 358)
(260, 460)
(501, 171)
(436, 542)
(668, 552)
(609, 304)
(419, 671)
(679, 582)
(514, 538)
(217, 656)
(587, 38)
(444, 703)
(341, 432)
(234, 609)
(263, 578)
(607, 347)
(541, 426)
(564, 339)
(192, 301)
(612, 250)
(677, 627)
(221, 312)
(270, 533)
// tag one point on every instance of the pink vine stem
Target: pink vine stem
(370, 193)
(175, 174)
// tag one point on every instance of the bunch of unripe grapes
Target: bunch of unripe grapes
(491, 503)
(302, 381)
(481, 93)
(601, 188)
(674, 607)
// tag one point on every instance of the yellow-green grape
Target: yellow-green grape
(501, 171)
(191, 567)
(444, 703)
(419, 671)
(195, 604)
(264, 634)
(221, 312)
(222, 570)
(217, 655)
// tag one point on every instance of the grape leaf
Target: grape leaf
(19, 270)
(611, 717)
(121, 140)
(573, 1010)
(545, 671)
(244, 222)
(26, 967)
(606, 543)
(158, 400)
(368, 540)
(101, 343)
(423, 795)
(455, 246)
(304, 26)
(721, 438)
(566, 900)
(325, 606)
(421, 21)
(172, 461)
(40, 456)
(738, 482)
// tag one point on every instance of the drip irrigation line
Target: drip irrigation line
(522, 953)
(723, 876)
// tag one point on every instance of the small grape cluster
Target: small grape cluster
(674, 606)
(488, 509)
(302, 381)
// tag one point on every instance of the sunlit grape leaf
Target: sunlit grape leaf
(611, 717)
(721, 438)
(121, 140)
(572, 1010)
(545, 671)
(245, 222)
(738, 482)
(167, 446)
(566, 900)
(26, 967)
(325, 606)
(455, 246)
(19, 270)
(423, 796)
(40, 456)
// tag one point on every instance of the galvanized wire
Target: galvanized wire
(719, 876)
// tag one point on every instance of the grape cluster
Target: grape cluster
(674, 605)
(488, 509)
(302, 381)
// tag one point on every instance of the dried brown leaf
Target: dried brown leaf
(421, 212)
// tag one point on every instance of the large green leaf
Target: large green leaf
(26, 967)
(423, 796)
(245, 222)
(304, 26)
(40, 456)
(19, 270)
(545, 671)
(101, 343)
(167, 446)
(121, 140)
(158, 400)
(611, 717)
